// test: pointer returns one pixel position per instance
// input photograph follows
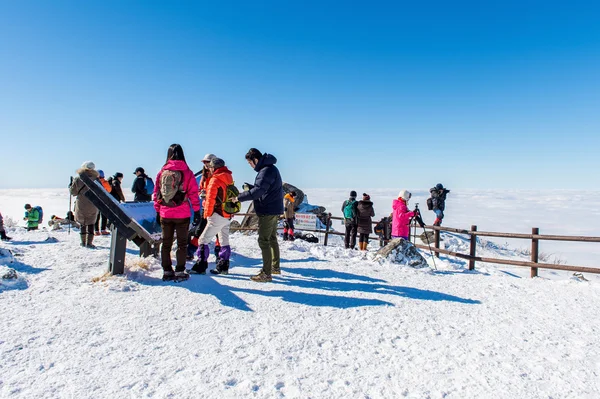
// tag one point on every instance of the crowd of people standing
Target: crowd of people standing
(194, 213)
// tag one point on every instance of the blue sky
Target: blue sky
(344, 94)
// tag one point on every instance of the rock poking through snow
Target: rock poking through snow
(403, 252)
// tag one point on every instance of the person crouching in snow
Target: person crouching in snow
(401, 215)
(85, 211)
(288, 214)
(3, 235)
(217, 219)
(175, 188)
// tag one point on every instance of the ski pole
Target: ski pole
(70, 199)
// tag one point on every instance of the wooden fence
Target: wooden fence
(535, 237)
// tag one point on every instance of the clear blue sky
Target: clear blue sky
(361, 95)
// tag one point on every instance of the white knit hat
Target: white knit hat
(404, 194)
(208, 157)
(88, 165)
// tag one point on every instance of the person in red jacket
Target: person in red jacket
(401, 216)
(175, 185)
(218, 220)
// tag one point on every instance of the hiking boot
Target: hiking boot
(276, 270)
(168, 275)
(4, 237)
(261, 277)
(291, 237)
(91, 246)
(181, 276)
(222, 267)
(285, 236)
(199, 267)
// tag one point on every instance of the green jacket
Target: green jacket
(33, 217)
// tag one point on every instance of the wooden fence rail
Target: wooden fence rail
(472, 257)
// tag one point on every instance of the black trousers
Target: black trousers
(170, 228)
(350, 236)
(101, 222)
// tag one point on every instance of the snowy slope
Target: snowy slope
(335, 324)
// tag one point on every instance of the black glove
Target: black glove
(197, 217)
(157, 217)
(246, 186)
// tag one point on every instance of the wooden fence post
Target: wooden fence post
(436, 238)
(534, 251)
(473, 248)
(327, 229)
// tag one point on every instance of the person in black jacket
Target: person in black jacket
(267, 195)
(115, 182)
(364, 214)
(139, 186)
(438, 197)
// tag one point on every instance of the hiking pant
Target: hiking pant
(101, 221)
(363, 238)
(350, 236)
(267, 241)
(288, 227)
(170, 227)
(218, 226)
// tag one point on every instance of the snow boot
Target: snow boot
(222, 267)
(168, 275)
(4, 237)
(199, 267)
(285, 236)
(180, 276)
(261, 277)
(90, 239)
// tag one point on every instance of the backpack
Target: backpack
(349, 211)
(306, 237)
(430, 204)
(171, 192)
(228, 205)
(41, 212)
(149, 186)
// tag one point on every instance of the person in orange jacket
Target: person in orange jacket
(101, 221)
(218, 220)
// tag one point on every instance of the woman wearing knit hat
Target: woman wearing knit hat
(364, 214)
(85, 211)
(401, 216)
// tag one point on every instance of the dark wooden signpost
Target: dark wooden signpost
(124, 226)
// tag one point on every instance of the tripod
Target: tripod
(419, 220)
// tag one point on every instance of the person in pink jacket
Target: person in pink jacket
(401, 216)
(174, 189)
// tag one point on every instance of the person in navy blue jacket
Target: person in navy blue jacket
(267, 195)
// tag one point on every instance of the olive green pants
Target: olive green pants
(267, 241)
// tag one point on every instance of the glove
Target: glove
(157, 217)
(246, 186)
(197, 217)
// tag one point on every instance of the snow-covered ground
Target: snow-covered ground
(335, 324)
